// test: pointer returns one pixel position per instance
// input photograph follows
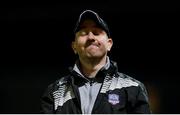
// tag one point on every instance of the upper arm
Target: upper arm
(141, 101)
(47, 103)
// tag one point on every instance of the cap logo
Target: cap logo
(113, 99)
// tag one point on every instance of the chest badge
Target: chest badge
(113, 99)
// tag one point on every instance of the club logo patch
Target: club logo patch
(113, 99)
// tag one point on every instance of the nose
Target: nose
(90, 35)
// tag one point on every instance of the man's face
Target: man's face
(91, 41)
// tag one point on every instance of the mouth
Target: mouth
(93, 44)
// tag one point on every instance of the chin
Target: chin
(94, 55)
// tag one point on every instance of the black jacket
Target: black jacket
(119, 93)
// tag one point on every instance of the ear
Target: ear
(73, 45)
(109, 44)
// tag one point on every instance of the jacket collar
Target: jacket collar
(110, 68)
(77, 68)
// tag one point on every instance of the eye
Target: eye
(82, 33)
(96, 33)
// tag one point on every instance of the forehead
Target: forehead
(88, 23)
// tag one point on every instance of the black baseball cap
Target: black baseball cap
(89, 14)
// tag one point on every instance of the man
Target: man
(94, 85)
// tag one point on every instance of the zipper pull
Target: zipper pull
(91, 82)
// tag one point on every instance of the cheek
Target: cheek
(103, 43)
(81, 40)
(80, 43)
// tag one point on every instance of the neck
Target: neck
(90, 67)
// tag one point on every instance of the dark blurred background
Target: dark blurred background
(35, 49)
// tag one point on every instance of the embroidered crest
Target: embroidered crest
(113, 99)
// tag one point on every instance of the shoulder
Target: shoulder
(125, 81)
(131, 84)
(58, 83)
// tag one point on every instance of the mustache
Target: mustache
(92, 42)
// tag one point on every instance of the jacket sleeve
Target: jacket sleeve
(46, 101)
(141, 104)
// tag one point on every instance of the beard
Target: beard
(93, 56)
(93, 52)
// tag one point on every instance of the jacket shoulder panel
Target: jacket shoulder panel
(63, 92)
(123, 81)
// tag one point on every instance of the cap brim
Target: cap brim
(88, 14)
